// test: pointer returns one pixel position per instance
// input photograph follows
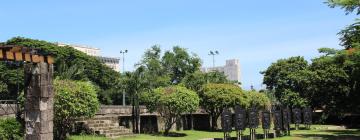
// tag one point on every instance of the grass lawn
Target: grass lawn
(318, 132)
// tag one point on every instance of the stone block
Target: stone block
(46, 136)
(32, 116)
(32, 103)
(32, 137)
(44, 104)
(46, 127)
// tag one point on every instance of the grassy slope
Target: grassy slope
(317, 132)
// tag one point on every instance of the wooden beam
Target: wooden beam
(50, 60)
(1, 54)
(16, 49)
(10, 55)
(18, 53)
(18, 56)
(27, 57)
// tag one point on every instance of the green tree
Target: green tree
(178, 63)
(68, 57)
(10, 129)
(135, 85)
(170, 103)
(216, 97)
(196, 80)
(257, 100)
(73, 99)
(282, 75)
(348, 5)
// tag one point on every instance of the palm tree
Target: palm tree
(135, 85)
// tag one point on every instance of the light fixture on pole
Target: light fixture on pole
(123, 59)
(213, 53)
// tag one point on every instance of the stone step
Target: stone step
(98, 121)
(108, 128)
(104, 125)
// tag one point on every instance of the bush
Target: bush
(216, 97)
(258, 100)
(171, 102)
(10, 129)
(73, 99)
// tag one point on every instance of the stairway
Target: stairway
(107, 126)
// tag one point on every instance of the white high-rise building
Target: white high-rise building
(111, 62)
(231, 69)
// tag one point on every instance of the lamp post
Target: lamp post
(213, 53)
(123, 59)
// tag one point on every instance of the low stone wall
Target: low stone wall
(8, 110)
(151, 122)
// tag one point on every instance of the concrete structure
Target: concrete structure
(39, 101)
(85, 49)
(231, 69)
(111, 62)
(116, 121)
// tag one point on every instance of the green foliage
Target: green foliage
(179, 62)
(196, 80)
(258, 100)
(11, 79)
(328, 51)
(78, 65)
(170, 102)
(350, 36)
(10, 129)
(282, 75)
(216, 97)
(293, 99)
(348, 5)
(73, 99)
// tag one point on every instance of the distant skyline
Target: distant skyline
(256, 32)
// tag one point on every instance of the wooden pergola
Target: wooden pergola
(39, 90)
(19, 53)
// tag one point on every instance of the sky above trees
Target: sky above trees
(255, 32)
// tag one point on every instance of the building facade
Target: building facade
(231, 69)
(111, 62)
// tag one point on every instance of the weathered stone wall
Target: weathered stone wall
(39, 101)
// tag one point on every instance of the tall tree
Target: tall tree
(178, 63)
(281, 76)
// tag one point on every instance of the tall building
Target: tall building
(111, 62)
(231, 69)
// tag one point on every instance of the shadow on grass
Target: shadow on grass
(328, 137)
(344, 132)
(171, 134)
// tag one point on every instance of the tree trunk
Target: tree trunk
(168, 124)
(214, 122)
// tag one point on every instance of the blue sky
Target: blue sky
(255, 32)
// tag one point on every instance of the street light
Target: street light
(123, 58)
(213, 53)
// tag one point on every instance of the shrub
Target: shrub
(216, 97)
(258, 100)
(170, 103)
(10, 129)
(73, 99)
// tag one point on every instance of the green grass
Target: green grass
(318, 132)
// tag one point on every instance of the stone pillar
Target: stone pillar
(39, 94)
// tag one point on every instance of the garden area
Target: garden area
(169, 84)
(317, 132)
